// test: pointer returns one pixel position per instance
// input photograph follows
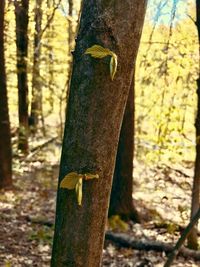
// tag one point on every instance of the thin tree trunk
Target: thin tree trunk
(70, 47)
(182, 239)
(36, 102)
(70, 28)
(5, 136)
(121, 202)
(193, 237)
(94, 117)
(50, 59)
(70, 42)
(21, 15)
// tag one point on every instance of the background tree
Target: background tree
(36, 102)
(70, 25)
(21, 15)
(89, 145)
(193, 237)
(121, 201)
(5, 136)
(166, 136)
(70, 31)
(50, 65)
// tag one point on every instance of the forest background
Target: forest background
(165, 101)
(165, 95)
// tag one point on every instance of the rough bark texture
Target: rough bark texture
(95, 111)
(36, 102)
(21, 15)
(5, 136)
(121, 201)
(193, 237)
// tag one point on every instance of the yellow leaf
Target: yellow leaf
(70, 180)
(98, 51)
(73, 180)
(89, 176)
(79, 193)
(113, 66)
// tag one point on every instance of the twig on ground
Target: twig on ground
(125, 240)
(181, 240)
(36, 149)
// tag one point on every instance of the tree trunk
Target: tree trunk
(70, 28)
(70, 47)
(94, 117)
(36, 102)
(21, 15)
(70, 40)
(50, 59)
(5, 136)
(121, 201)
(193, 237)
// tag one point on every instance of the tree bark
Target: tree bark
(5, 135)
(21, 15)
(193, 237)
(121, 201)
(36, 102)
(95, 111)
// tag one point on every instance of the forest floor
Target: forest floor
(161, 194)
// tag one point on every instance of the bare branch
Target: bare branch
(181, 240)
(190, 17)
(50, 19)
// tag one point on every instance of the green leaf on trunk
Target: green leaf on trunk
(74, 180)
(113, 66)
(98, 51)
(79, 189)
(70, 180)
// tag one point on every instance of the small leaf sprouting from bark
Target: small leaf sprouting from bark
(113, 66)
(98, 51)
(70, 180)
(73, 180)
(79, 193)
(89, 176)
